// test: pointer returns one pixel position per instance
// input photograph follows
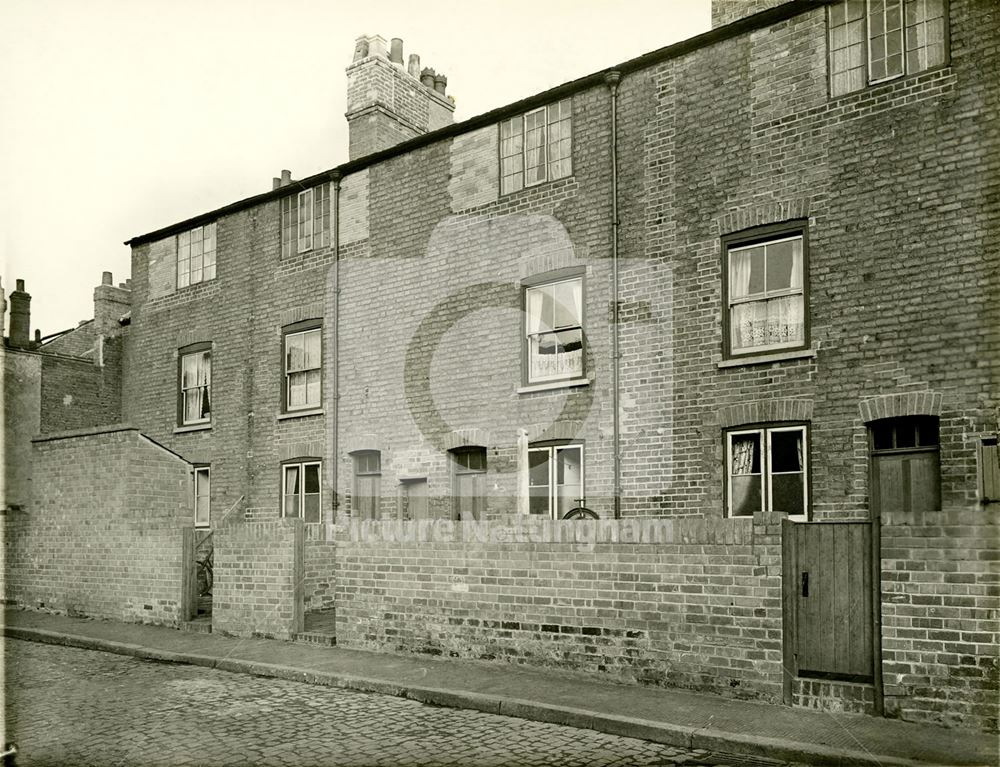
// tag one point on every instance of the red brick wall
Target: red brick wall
(701, 610)
(940, 628)
(79, 393)
(103, 534)
(22, 372)
(257, 587)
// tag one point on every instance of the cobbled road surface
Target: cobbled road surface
(67, 706)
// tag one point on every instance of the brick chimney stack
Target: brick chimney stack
(386, 101)
(110, 305)
(20, 317)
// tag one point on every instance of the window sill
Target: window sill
(300, 414)
(552, 385)
(193, 427)
(763, 359)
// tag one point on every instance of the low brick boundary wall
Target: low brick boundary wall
(695, 603)
(941, 616)
(258, 579)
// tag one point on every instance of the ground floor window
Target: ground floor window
(367, 484)
(202, 496)
(767, 471)
(301, 490)
(469, 485)
(555, 479)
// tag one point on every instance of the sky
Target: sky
(119, 117)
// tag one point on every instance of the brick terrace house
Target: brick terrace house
(736, 297)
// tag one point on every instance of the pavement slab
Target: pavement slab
(679, 718)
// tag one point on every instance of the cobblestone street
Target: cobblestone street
(68, 706)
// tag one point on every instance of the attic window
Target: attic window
(536, 147)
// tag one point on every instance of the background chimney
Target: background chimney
(110, 305)
(286, 177)
(20, 317)
(387, 103)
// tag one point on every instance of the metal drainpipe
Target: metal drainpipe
(335, 361)
(612, 79)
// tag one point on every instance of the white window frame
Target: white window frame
(205, 237)
(764, 432)
(289, 372)
(184, 420)
(304, 220)
(766, 295)
(553, 452)
(517, 134)
(531, 336)
(360, 457)
(910, 36)
(301, 467)
(202, 492)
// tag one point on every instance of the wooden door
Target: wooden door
(413, 499)
(828, 600)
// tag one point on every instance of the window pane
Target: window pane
(313, 387)
(746, 497)
(882, 435)
(906, 434)
(311, 477)
(770, 322)
(788, 493)
(567, 300)
(569, 478)
(745, 454)
(291, 506)
(311, 508)
(786, 451)
(746, 272)
(784, 265)
(928, 432)
(291, 480)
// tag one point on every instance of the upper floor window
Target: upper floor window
(367, 484)
(536, 146)
(469, 466)
(765, 275)
(195, 391)
(767, 471)
(906, 471)
(202, 496)
(301, 490)
(196, 255)
(555, 479)
(876, 40)
(305, 220)
(303, 366)
(553, 316)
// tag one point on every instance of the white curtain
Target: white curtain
(774, 321)
(744, 449)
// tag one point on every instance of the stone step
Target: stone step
(198, 626)
(315, 637)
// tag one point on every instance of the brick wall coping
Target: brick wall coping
(90, 431)
(743, 26)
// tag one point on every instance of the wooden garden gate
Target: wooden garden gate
(831, 602)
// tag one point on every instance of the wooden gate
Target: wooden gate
(830, 604)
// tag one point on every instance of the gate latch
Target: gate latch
(805, 584)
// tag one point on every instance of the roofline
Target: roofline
(739, 27)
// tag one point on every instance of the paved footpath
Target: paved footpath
(696, 722)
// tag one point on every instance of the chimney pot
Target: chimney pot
(19, 285)
(107, 279)
(396, 51)
(427, 77)
(275, 182)
(440, 83)
(413, 67)
(286, 177)
(361, 48)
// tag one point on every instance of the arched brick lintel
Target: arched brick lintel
(897, 405)
(766, 411)
(467, 438)
(570, 430)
